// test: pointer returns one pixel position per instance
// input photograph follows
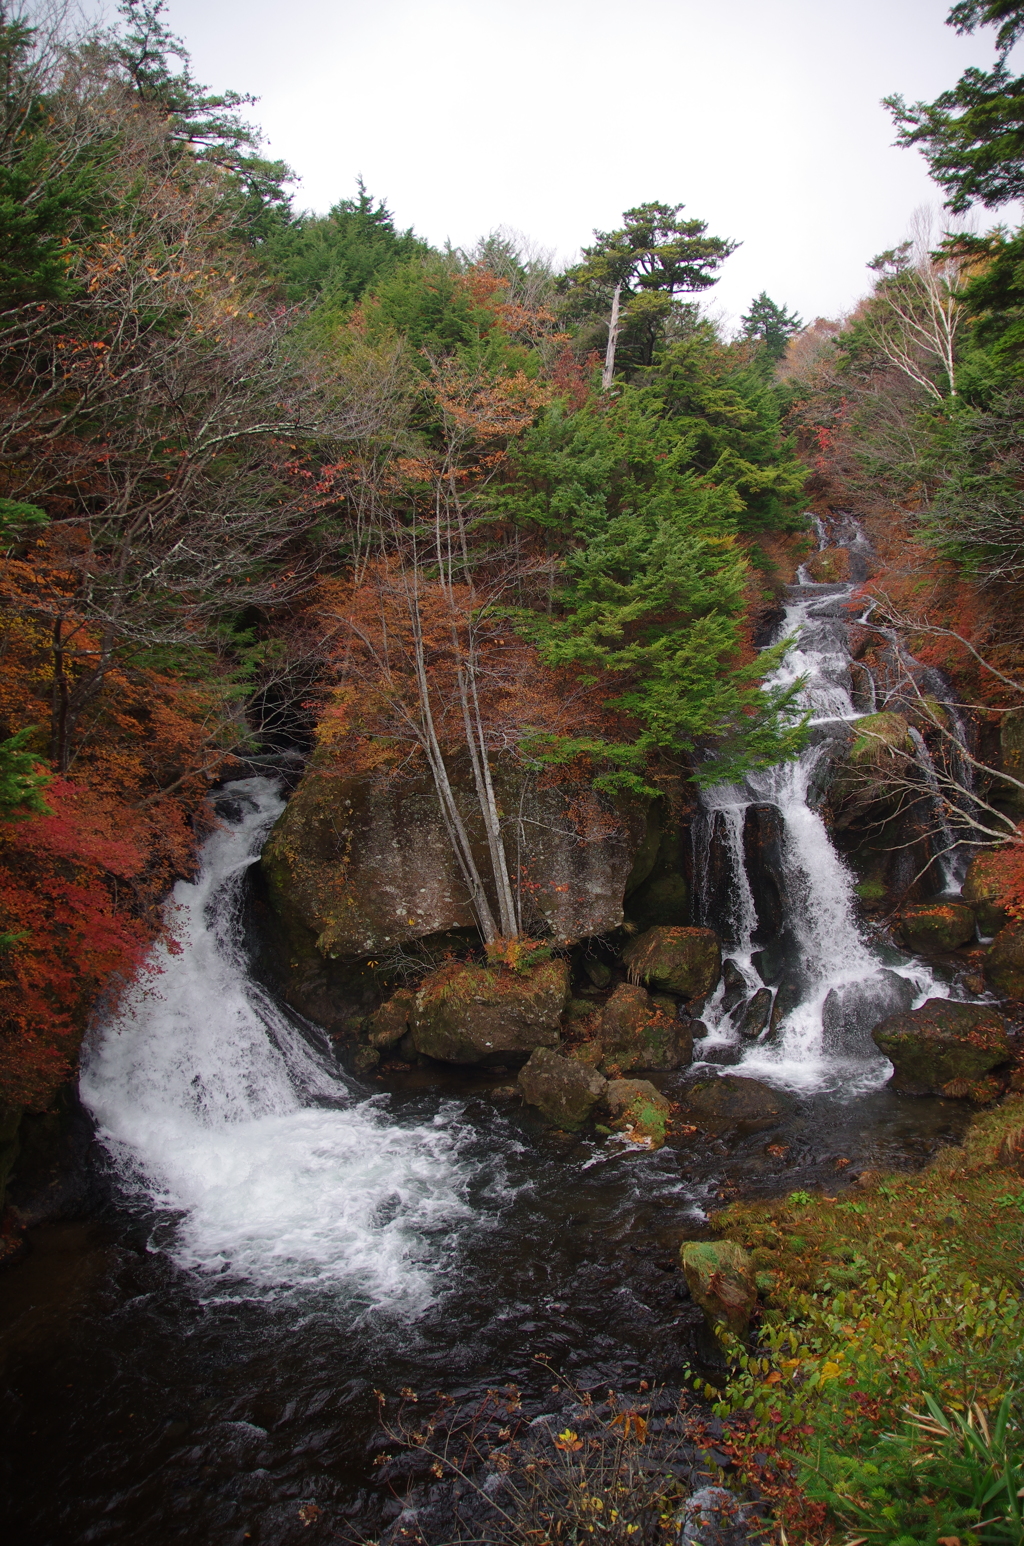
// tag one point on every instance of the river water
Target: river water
(199, 1360)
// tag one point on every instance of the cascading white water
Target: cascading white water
(235, 1126)
(833, 957)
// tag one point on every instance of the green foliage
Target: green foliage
(972, 136)
(335, 258)
(208, 125)
(653, 257)
(22, 779)
(770, 325)
(51, 186)
(17, 519)
(653, 586)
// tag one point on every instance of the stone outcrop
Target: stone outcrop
(1004, 964)
(861, 782)
(367, 868)
(687, 962)
(722, 1101)
(638, 1111)
(721, 1279)
(849, 1014)
(756, 1014)
(563, 1089)
(635, 1033)
(388, 1024)
(930, 928)
(943, 1048)
(981, 891)
(485, 1014)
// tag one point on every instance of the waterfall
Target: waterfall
(947, 855)
(229, 1121)
(834, 984)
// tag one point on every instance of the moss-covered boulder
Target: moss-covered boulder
(982, 890)
(829, 566)
(683, 961)
(943, 1048)
(1004, 963)
(388, 1024)
(637, 1033)
(721, 1278)
(930, 928)
(564, 1089)
(489, 1014)
(638, 1111)
(717, 1102)
(864, 782)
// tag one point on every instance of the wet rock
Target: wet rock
(829, 566)
(850, 1014)
(487, 1014)
(931, 928)
(388, 1024)
(1004, 963)
(755, 1015)
(735, 985)
(365, 869)
(763, 858)
(638, 1111)
(720, 1277)
(788, 996)
(564, 1089)
(722, 1101)
(365, 1059)
(683, 961)
(981, 890)
(599, 972)
(943, 1047)
(667, 1005)
(862, 782)
(771, 960)
(636, 1033)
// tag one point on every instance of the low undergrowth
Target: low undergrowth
(886, 1379)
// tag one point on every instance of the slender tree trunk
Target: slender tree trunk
(613, 338)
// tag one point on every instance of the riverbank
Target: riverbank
(892, 1319)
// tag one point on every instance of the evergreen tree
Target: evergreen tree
(972, 136)
(773, 326)
(337, 257)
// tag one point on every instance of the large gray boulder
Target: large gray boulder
(563, 1089)
(363, 868)
(676, 960)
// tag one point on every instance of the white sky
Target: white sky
(762, 116)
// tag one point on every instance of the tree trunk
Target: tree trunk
(613, 338)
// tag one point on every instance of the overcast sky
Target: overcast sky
(553, 116)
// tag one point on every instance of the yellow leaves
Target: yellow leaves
(631, 1421)
(568, 1441)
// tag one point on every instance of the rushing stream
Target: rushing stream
(198, 1360)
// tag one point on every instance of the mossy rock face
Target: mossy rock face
(721, 1278)
(687, 962)
(388, 1024)
(930, 928)
(484, 1014)
(942, 1048)
(982, 889)
(1004, 964)
(829, 566)
(1011, 758)
(638, 1111)
(564, 1089)
(861, 785)
(636, 1033)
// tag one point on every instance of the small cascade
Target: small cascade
(229, 1122)
(830, 984)
(948, 849)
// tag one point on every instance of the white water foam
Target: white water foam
(231, 1122)
(821, 908)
